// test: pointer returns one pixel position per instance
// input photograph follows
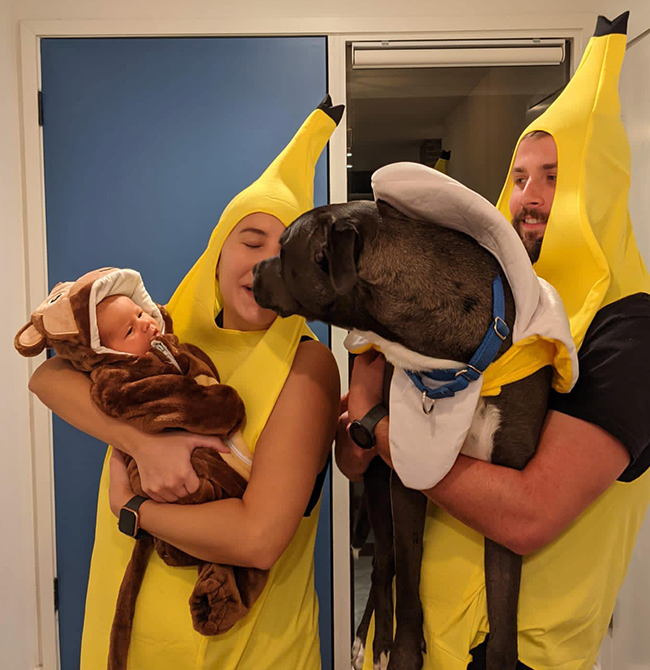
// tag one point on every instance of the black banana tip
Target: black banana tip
(335, 113)
(445, 154)
(616, 27)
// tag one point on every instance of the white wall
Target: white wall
(18, 644)
(631, 631)
(481, 133)
(337, 9)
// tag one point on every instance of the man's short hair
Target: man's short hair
(536, 134)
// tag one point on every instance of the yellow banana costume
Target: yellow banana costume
(569, 588)
(443, 162)
(281, 630)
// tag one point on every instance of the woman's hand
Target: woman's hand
(119, 491)
(163, 461)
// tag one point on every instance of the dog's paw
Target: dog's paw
(382, 663)
(501, 657)
(407, 652)
(358, 654)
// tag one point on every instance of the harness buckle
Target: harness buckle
(429, 409)
(465, 370)
(500, 328)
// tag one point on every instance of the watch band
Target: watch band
(362, 431)
(373, 417)
(128, 522)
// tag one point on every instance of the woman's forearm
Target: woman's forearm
(66, 392)
(218, 532)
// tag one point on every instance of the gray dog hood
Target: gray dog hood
(425, 446)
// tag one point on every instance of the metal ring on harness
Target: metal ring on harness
(425, 409)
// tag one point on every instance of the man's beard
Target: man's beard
(532, 241)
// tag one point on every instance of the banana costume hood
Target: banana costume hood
(256, 364)
(423, 445)
(589, 253)
(285, 190)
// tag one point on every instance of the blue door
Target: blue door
(145, 142)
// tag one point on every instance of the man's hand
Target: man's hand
(366, 384)
(365, 392)
(163, 461)
(351, 458)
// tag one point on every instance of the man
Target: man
(575, 509)
(577, 457)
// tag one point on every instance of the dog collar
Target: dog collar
(459, 378)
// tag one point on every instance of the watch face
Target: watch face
(127, 522)
(361, 435)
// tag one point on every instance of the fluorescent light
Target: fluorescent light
(460, 53)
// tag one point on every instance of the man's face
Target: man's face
(534, 175)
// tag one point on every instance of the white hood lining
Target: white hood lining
(119, 282)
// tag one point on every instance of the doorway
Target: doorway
(462, 115)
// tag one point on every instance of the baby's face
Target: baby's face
(124, 327)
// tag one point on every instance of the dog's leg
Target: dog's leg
(359, 645)
(524, 404)
(409, 515)
(502, 580)
(377, 491)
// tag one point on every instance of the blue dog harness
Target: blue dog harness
(459, 379)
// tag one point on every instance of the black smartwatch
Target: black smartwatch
(129, 521)
(362, 432)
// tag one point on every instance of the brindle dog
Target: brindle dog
(365, 265)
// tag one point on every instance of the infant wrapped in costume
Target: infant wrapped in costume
(155, 383)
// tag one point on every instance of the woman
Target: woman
(289, 384)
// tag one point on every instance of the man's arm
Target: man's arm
(523, 510)
(575, 462)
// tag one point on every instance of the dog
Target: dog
(368, 267)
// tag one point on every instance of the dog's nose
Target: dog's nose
(259, 291)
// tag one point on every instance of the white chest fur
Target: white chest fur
(479, 442)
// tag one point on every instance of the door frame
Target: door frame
(574, 27)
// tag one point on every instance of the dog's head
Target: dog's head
(318, 267)
(367, 266)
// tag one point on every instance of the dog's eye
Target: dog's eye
(322, 262)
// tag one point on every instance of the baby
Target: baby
(124, 326)
(106, 324)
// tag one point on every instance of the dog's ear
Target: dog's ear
(342, 252)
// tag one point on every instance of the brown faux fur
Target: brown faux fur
(155, 395)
